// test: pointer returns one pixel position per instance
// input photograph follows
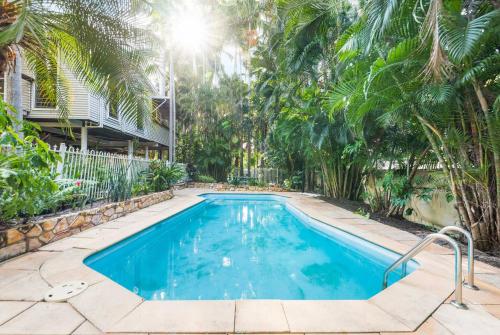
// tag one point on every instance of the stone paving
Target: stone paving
(418, 304)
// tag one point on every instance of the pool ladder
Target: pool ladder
(403, 261)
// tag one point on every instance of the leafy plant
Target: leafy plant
(262, 184)
(234, 180)
(26, 177)
(296, 181)
(98, 41)
(191, 171)
(363, 212)
(161, 177)
(252, 181)
(70, 194)
(141, 185)
(205, 179)
(120, 188)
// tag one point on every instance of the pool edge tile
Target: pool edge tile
(257, 316)
(179, 316)
(338, 316)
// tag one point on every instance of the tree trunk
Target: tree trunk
(16, 90)
(492, 133)
(241, 162)
(249, 156)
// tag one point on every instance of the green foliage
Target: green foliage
(395, 86)
(70, 194)
(26, 180)
(141, 186)
(294, 183)
(120, 188)
(253, 182)
(214, 122)
(158, 177)
(234, 180)
(205, 179)
(99, 41)
(363, 212)
(161, 177)
(191, 171)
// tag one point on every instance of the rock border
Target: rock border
(33, 235)
(221, 187)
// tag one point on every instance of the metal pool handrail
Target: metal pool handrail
(419, 247)
(470, 254)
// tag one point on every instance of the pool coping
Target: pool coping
(400, 308)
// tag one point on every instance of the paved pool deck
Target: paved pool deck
(417, 304)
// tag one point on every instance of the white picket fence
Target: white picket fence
(95, 170)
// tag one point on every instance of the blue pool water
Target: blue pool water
(237, 246)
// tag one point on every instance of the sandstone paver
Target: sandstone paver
(475, 320)
(87, 328)
(202, 316)
(338, 316)
(260, 316)
(9, 309)
(27, 288)
(430, 327)
(105, 303)
(43, 319)
(412, 299)
(30, 261)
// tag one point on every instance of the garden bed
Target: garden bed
(221, 187)
(42, 230)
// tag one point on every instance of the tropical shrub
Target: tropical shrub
(120, 187)
(26, 178)
(191, 171)
(161, 177)
(234, 180)
(70, 194)
(262, 184)
(354, 87)
(392, 192)
(205, 179)
(141, 186)
(98, 41)
(294, 182)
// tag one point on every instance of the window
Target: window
(113, 110)
(42, 100)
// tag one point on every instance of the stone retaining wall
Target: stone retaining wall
(227, 187)
(33, 235)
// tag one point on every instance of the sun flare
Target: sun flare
(190, 30)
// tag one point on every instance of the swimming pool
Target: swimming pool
(246, 246)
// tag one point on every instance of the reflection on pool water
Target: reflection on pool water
(241, 246)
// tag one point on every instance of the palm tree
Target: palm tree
(416, 79)
(439, 71)
(101, 42)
